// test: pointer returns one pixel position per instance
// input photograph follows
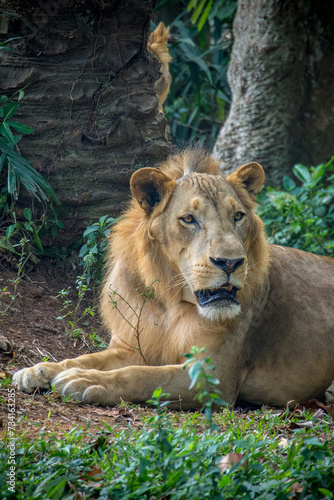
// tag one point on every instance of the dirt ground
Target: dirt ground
(31, 332)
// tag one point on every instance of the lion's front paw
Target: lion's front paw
(330, 394)
(39, 375)
(87, 386)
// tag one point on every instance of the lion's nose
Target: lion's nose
(227, 265)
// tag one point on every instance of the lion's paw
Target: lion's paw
(87, 386)
(330, 394)
(40, 375)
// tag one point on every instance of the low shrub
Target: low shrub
(302, 215)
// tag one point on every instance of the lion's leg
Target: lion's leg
(330, 394)
(133, 384)
(42, 374)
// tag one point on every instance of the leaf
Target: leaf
(302, 173)
(191, 5)
(320, 211)
(27, 214)
(296, 488)
(3, 158)
(9, 49)
(6, 132)
(8, 110)
(314, 405)
(299, 425)
(288, 183)
(3, 45)
(231, 460)
(204, 16)
(226, 12)
(12, 181)
(102, 219)
(37, 239)
(157, 393)
(20, 127)
(57, 489)
(198, 11)
(326, 492)
(16, 138)
(96, 471)
(89, 230)
(27, 175)
(6, 245)
(194, 372)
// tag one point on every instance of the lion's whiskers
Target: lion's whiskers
(179, 281)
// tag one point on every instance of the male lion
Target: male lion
(263, 312)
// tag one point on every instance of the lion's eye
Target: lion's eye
(188, 219)
(238, 216)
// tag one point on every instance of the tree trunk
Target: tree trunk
(89, 96)
(281, 76)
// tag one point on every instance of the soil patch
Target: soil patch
(32, 333)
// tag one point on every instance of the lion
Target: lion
(263, 312)
(157, 45)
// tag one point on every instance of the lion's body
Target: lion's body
(289, 350)
(264, 313)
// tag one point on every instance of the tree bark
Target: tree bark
(89, 96)
(281, 76)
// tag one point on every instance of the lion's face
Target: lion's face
(203, 231)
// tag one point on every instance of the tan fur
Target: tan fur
(157, 44)
(275, 345)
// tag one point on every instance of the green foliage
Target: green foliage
(20, 250)
(5, 45)
(96, 343)
(26, 228)
(205, 384)
(302, 216)
(14, 171)
(172, 456)
(72, 312)
(199, 96)
(93, 250)
(19, 170)
(206, 10)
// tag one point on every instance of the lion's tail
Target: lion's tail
(157, 43)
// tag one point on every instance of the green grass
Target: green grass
(174, 455)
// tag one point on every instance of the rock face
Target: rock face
(281, 76)
(89, 95)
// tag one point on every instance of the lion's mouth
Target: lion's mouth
(213, 296)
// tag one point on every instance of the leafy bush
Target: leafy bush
(207, 392)
(14, 171)
(94, 248)
(199, 96)
(302, 216)
(170, 455)
(19, 170)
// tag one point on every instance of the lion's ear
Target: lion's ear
(149, 186)
(250, 177)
